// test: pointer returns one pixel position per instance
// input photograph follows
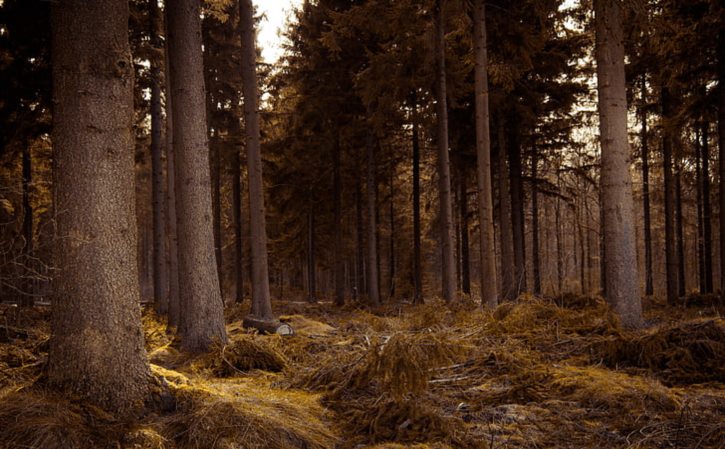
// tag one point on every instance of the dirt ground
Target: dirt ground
(537, 373)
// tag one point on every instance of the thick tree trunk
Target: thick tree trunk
(487, 250)
(507, 244)
(721, 150)
(679, 229)
(161, 282)
(535, 222)
(620, 248)
(339, 268)
(360, 247)
(216, 202)
(96, 347)
(201, 319)
(311, 259)
(417, 273)
(706, 207)
(517, 209)
(261, 304)
(372, 273)
(644, 141)
(444, 169)
(700, 220)
(237, 174)
(27, 299)
(669, 185)
(171, 229)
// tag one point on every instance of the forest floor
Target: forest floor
(536, 373)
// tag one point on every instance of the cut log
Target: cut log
(267, 326)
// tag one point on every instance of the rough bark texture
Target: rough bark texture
(669, 185)
(360, 246)
(201, 319)
(622, 286)
(535, 224)
(261, 304)
(311, 259)
(372, 272)
(339, 267)
(644, 141)
(97, 346)
(463, 224)
(417, 272)
(489, 285)
(504, 210)
(517, 208)
(444, 169)
(391, 257)
(171, 229)
(706, 208)
(721, 149)
(237, 215)
(161, 282)
(679, 227)
(700, 221)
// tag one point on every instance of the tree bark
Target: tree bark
(700, 220)
(669, 185)
(97, 346)
(360, 250)
(372, 273)
(721, 149)
(517, 209)
(237, 174)
(706, 207)
(620, 249)
(444, 169)
(311, 259)
(201, 319)
(392, 258)
(644, 141)
(679, 229)
(339, 268)
(487, 250)
(463, 218)
(27, 299)
(535, 222)
(417, 273)
(507, 244)
(161, 282)
(261, 304)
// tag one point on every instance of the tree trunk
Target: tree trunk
(216, 202)
(417, 274)
(507, 244)
(700, 220)
(201, 319)
(679, 229)
(97, 347)
(339, 268)
(721, 151)
(670, 237)
(487, 250)
(360, 253)
(620, 248)
(161, 283)
(311, 259)
(535, 222)
(392, 258)
(171, 228)
(261, 304)
(644, 141)
(444, 169)
(517, 209)
(706, 207)
(27, 298)
(463, 214)
(559, 243)
(237, 174)
(372, 272)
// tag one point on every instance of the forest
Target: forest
(429, 224)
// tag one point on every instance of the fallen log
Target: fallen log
(267, 326)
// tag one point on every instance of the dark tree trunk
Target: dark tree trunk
(535, 222)
(444, 173)
(372, 273)
(463, 217)
(706, 208)
(392, 258)
(202, 319)
(670, 237)
(622, 285)
(508, 290)
(417, 274)
(311, 259)
(27, 299)
(96, 348)
(559, 243)
(721, 151)
(644, 141)
(679, 229)
(700, 220)
(360, 253)
(216, 178)
(237, 174)
(339, 268)
(161, 283)
(261, 303)
(517, 210)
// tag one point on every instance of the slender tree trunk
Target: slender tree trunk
(487, 250)
(96, 348)
(670, 237)
(201, 319)
(507, 244)
(237, 173)
(644, 141)
(535, 222)
(721, 152)
(417, 274)
(679, 229)
(700, 220)
(392, 258)
(706, 207)
(27, 299)
(339, 267)
(173, 255)
(161, 298)
(620, 248)
(444, 170)
(311, 259)
(372, 272)
(261, 304)
(360, 253)
(216, 143)
(517, 210)
(463, 213)
(559, 243)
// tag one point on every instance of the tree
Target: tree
(97, 346)
(261, 304)
(444, 170)
(622, 287)
(489, 286)
(201, 320)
